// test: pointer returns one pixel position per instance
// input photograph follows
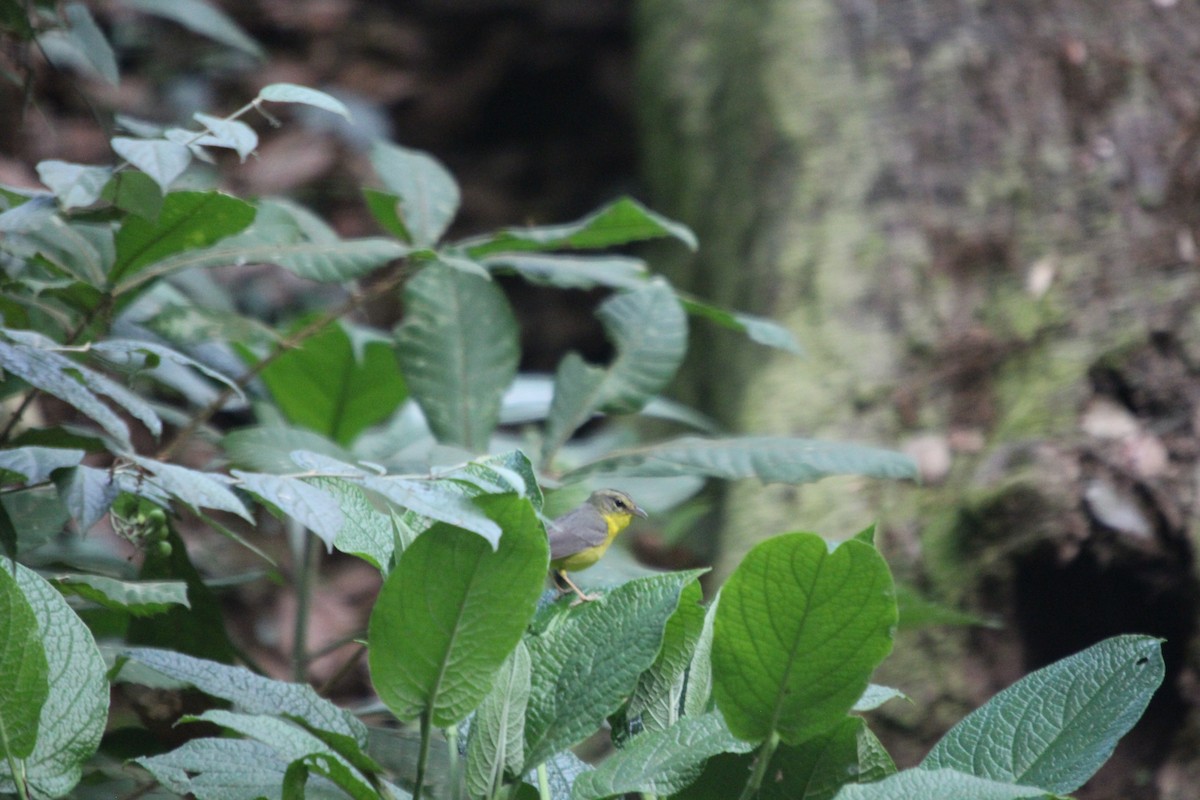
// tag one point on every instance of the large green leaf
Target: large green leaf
(282, 234)
(587, 663)
(649, 330)
(228, 769)
(660, 762)
(940, 784)
(1057, 726)
(253, 694)
(452, 610)
(334, 388)
(188, 221)
(621, 222)
(427, 196)
(572, 272)
(797, 634)
(24, 674)
(459, 351)
(75, 711)
(771, 459)
(497, 743)
(139, 598)
(657, 700)
(812, 770)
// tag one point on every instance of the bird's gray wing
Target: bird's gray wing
(576, 531)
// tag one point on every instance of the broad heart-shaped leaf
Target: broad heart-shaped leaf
(940, 784)
(620, 222)
(201, 17)
(188, 221)
(1055, 727)
(162, 160)
(139, 598)
(661, 762)
(656, 701)
(228, 769)
(452, 610)
(74, 714)
(798, 631)
(75, 185)
(496, 746)
(253, 694)
(334, 388)
(649, 330)
(586, 664)
(759, 329)
(427, 194)
(771, 459)
(34, 464)
(24, 674)
(813, 770)
(459, 351)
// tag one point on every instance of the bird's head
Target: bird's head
(614, 503)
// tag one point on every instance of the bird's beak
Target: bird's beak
(638, 511)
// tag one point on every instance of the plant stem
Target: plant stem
(543, 782)
(455, 762)
(304, 557)
(423, 754)
(760, 766)
(316, 326)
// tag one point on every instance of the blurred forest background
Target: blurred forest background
(979, 219)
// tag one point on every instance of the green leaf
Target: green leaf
(366, 532)
(875, 695)
(336, 389)
(587, 664)
(621, 222)
(269, 448)
(660, 762)
(458, 349)
(139, 598)
(920, 612)
(771, 459)
(228, 769)
(759, 329)
(649, 330)
(452, 610)
(305, 503)
(496, 747)
(35, 464)
(141, 356)
(941, 784)
(136, 193)
(572, 272)
(75, 185)
(294, 93)
(200, 17)
(798, 632)
(697, 691)
(813, 770)
(24, 673)
(80, 44)
(162, 160)
(253, 694)
(73, 716)
(229, 133)
(427, 196)
(292, 742)
(193, 488)
(657, 700)
(1057, 726)
(189, 221)
(501, 473)
(385, 208)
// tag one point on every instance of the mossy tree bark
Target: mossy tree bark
(980, 220)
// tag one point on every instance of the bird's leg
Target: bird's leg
(583, 598)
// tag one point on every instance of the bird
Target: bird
(579, 538)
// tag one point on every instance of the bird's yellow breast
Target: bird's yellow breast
(616, 522)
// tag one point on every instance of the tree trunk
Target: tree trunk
(980, 221)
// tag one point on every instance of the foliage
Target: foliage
(389, 447)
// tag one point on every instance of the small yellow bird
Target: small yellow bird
(579, 538)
